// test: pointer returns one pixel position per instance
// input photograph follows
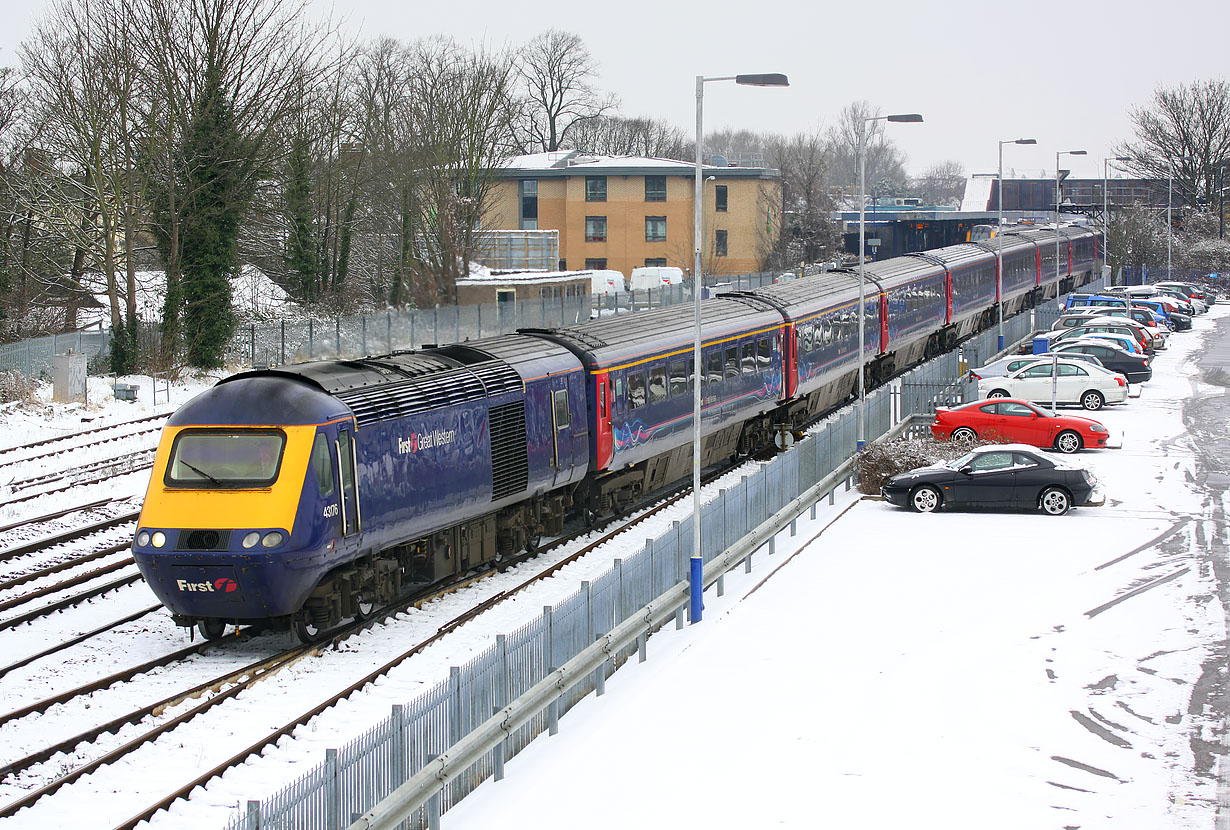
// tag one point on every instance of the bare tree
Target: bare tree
(461, 106)
(808, 233)
(941, 184)
(885, 163)
(557, 74)
(613, 135)
(1184, 133)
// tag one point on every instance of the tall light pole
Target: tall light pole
(1058, 300)
(1169, 224)
(999, 229)
(904, 118)
(1106, 210)
(697, 564)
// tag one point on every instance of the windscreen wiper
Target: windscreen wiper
(196, 469)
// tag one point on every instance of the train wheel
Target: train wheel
(307, 631)
(212, 628)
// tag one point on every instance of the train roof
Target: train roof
(956, 256)
(1010, 241)
(259, 399)
(807, 295)
(395, 385)
(610, 341)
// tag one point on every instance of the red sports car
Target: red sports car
(1017, 421)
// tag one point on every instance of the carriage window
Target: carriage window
(749, 357)
(562, 418)
(636, 391)
(732, 362)
(713, 368)
(322, 465)
(764, 352)
(679, 379)
(657, 384)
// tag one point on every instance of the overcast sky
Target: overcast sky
(1070, 71)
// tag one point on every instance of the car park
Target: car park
(1017, 421)
(1191, 290)
(1069, 381)
(1081, 316)
(1189, 305)
(1086, 300)
(1003, 476)
(1134, 367)
(1154, 336)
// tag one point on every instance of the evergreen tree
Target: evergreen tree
(302, 258)
(217, 193)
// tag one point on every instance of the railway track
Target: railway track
(5, 454)
(233, 681)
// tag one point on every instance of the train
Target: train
(301, 496)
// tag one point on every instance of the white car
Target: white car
(1078, 383)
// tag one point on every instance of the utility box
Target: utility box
(68, 378)
(1042, 345)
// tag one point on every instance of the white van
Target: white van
(607, 282)
(655, 277)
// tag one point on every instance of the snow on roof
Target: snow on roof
(482, 276)
(564, 160)
(977, 196)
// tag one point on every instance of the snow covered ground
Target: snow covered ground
(966, 670)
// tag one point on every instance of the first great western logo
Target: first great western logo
(222, 585)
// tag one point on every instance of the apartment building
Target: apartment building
(619, 212)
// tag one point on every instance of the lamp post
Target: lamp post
(1106, 209)
(902, 118)
(697, 564)
(1169, 224)
(1058, 301)
(999, 229)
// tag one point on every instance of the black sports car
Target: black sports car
(998, 476)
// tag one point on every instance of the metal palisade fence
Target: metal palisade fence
(32, 358)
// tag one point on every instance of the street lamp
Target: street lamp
(1058, 301)
(906, 118)
(1169, 224)
(999, 229)
(1106, 210)
(697, 564)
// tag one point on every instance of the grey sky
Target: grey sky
(1069, 70)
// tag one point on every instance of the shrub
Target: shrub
(877, 462)
(14, 386)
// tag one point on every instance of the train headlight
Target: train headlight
(143, 538)
(272, 539)
(251, 539)
(159, 539)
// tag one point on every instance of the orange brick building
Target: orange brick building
(625, 212)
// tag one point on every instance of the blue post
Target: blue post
(1001, 342)
(696, 579)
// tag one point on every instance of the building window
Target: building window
(655, 262)
(719, 248)
(655, 188)
(595, 264)
(529, 204)
(655, 228)
(595, 229)
(595, 188)
(719, 198)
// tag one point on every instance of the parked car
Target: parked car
(1193, 291)
(1143, 343)
(1177, 320)
(996, 476)
(1134, 367)
(1080, 316)
(1017, 421)
(1193, 306)
(1154, 336)
(1070, 381)
(1008, 365)
(1084, 300)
